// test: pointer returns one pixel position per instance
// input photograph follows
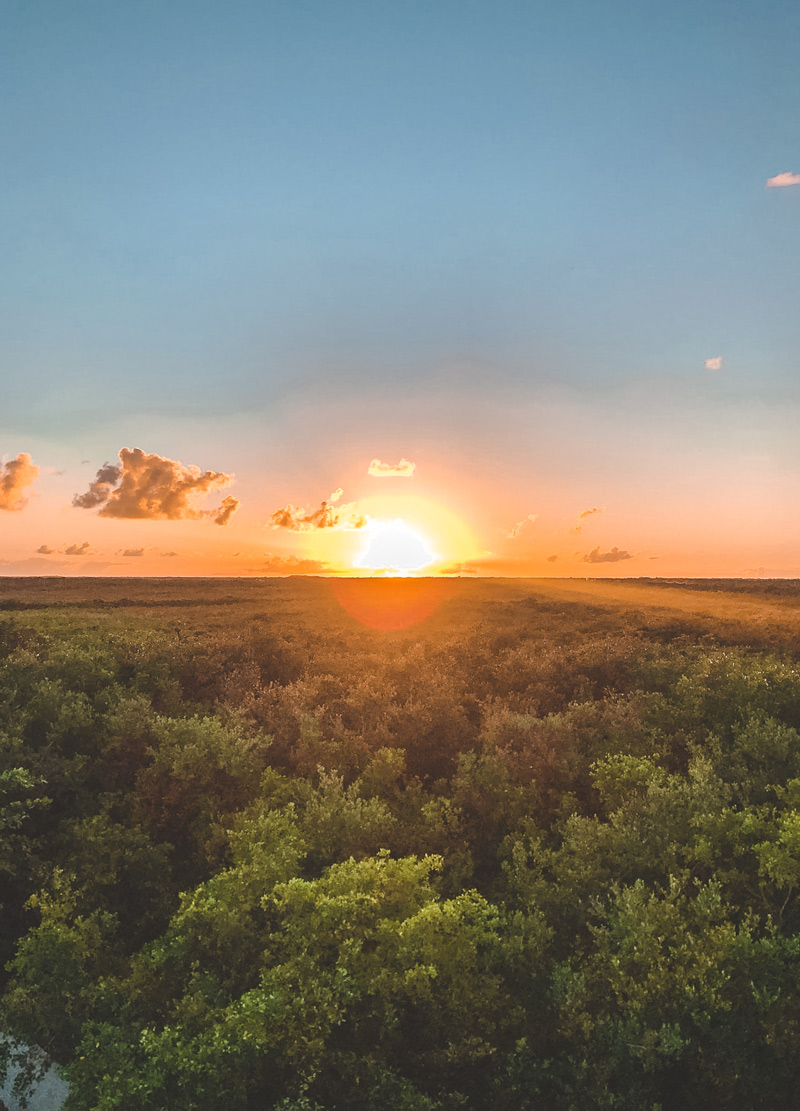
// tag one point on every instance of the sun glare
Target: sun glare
(394, 547)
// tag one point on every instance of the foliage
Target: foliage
(529, 854)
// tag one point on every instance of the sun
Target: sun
(395, 547)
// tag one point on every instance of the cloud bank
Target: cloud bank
(781, 180)
(15, 478)
(404, 469)
(152, 487)
(614, 556)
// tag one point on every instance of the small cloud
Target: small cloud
(152, 487)
(132, 552)
(168, 555)
(403, 469)
(781, 180)
(614, 556)
(15, 478)
(516, 529)
(78, 549)
(578, 526)
(552, 558)
(226, 510)
(714, 364)
(45, 549)
(329, 515)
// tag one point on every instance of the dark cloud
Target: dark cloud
(131, 552)
(45, 549)
(614, 556)
(329, 515)
(226, 510)
(552, 558)
(78, 549)
(152, 487)
(15, 478)
(101, 489)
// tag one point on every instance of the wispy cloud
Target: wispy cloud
(404, 469)
(330, 515)
(715, 363)
(15, 477)
(613, 556)
(781, 180)
(79, 549)
(152, 487)
(516, 529)
(132, 552)
(577, 528)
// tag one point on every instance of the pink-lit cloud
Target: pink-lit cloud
(153, 487)
(16, 476)
(329, 515)
(715, 363)
(782, 180)
(404, 469)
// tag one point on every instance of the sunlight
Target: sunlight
(394, 547)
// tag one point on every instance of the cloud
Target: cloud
(715, 363)
(578, 527)
(78, 549)
(552, 559)
(226, 510)
(45, 549)
(403, 469)
(292, 565)
(329, 515)
(516, 529)
(783, 179)
(132, 552)
(152, 487)
(167, 555)
(15, 477)
(614, 556)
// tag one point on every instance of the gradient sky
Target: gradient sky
(498, 239)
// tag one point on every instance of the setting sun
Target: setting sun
(393, 546)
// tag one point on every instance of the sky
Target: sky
(538, 262)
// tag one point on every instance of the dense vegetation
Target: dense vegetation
(539, 851)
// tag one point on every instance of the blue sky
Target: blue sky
(214, 212)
